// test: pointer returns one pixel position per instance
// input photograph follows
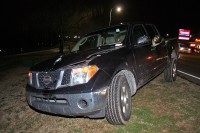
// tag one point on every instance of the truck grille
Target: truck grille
(48, 79)
(51, 80)
(52, 100)
(66, 77)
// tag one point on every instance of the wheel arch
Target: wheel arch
(172, 48)
(130, 76)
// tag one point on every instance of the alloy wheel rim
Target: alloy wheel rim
(124, 99)
(174, 70)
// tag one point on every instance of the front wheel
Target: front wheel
(118, 110)
(170, 72)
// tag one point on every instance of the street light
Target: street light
(118, 9)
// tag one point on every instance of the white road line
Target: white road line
(188, 74)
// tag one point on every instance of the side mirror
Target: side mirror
(157, 40)
(142, 40)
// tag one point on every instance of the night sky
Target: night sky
(25, 23)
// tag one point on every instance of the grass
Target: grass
(158, 107)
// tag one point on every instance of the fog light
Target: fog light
(82, 104)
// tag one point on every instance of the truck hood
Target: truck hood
(69, 59)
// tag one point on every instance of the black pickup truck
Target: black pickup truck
(97, 78)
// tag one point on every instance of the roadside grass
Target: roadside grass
(157, 107)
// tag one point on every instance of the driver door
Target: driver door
(145, 57)
(160, 49)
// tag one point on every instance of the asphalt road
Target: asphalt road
(189, 67)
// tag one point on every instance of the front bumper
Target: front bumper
(88, 100)
(91, 104)
(185, 50)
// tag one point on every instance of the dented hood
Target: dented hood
(68, 59)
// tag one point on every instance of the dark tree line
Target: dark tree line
(34, 23)
(47, 22)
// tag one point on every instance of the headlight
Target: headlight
(83, 74)
(181, 48)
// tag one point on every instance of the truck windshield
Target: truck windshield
(105, 37)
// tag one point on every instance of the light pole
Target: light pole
(118, 9)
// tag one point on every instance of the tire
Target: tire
(118, 109)
(170, 72)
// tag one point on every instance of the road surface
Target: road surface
(189, 67)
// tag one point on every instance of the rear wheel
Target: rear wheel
(118, 110)
(170, 72)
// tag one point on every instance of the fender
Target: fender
(130, 76)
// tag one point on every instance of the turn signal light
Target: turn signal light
(29, 74)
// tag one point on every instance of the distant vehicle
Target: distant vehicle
(101, 73)
(184, 48)
(195, 43)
